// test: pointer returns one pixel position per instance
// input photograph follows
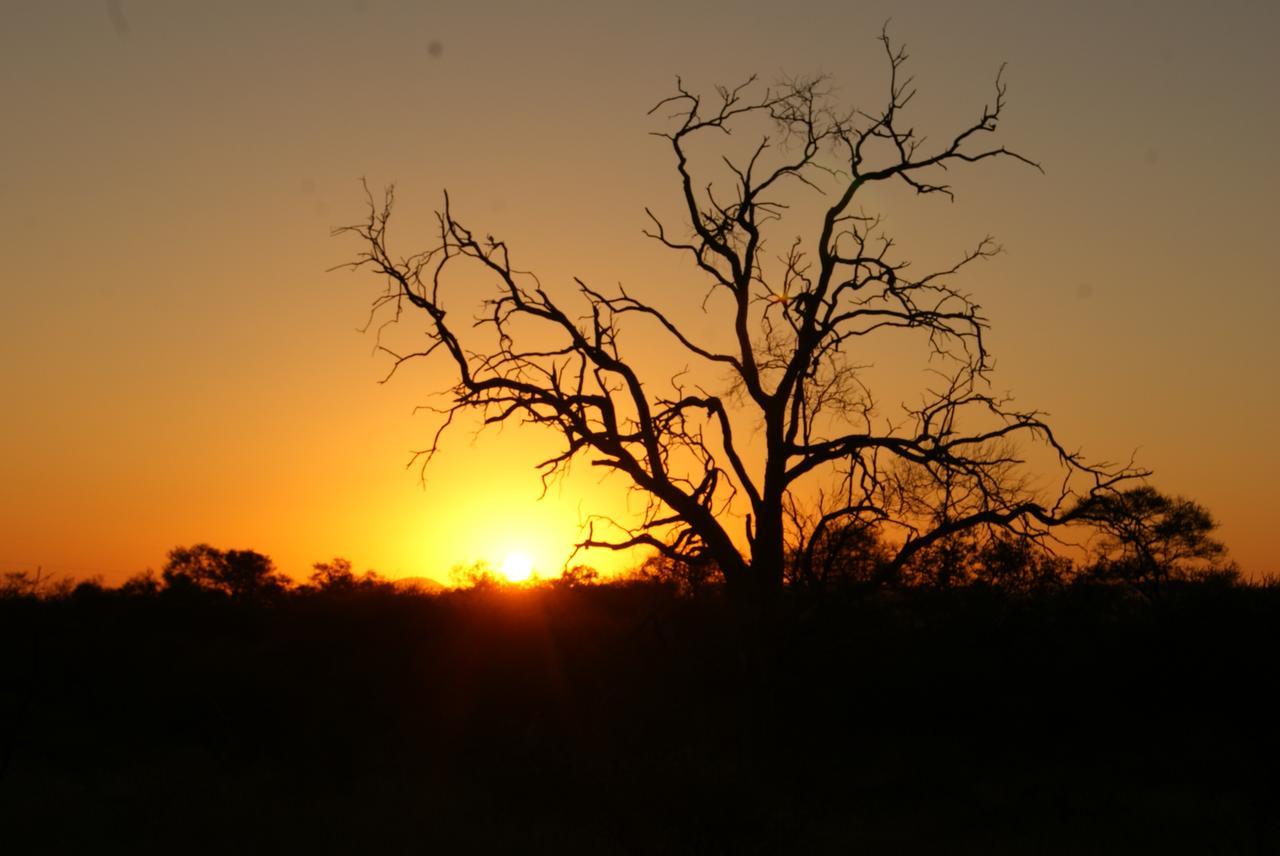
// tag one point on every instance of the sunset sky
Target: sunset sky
(178, 365)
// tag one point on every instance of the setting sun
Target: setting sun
(517, 567)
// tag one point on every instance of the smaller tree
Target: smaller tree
(988, 556)
(337, 576)
(144, 584)
(1149, 538)
(846, 555)
(240, 574)
(476, 577)
(23, 584)
(690, 577)
(577, 576)
(1009, 562)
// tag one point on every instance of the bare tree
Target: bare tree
(818, 454)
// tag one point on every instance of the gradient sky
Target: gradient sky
(177, 366)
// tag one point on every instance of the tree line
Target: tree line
(1140, 538)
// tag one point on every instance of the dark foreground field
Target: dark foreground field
(621, 719)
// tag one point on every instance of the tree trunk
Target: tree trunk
(767, 557)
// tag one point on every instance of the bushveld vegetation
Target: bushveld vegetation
(990, 698)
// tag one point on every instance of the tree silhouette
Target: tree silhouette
(337, 576)
(241, 574)
(773, 438)
(840, 557)
(1150, 538)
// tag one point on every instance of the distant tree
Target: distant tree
(1148, 538)
(475, 577)
(26, 584)
(90, 589)
(775, 410)
(989, 556)
(946, 563)
(1017, 564)
(18, 584)
(847, 556)
(690, 577)
(577, 576)
(337, 576)
(144, 584)
(241, 574)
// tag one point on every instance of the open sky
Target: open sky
(176, 365)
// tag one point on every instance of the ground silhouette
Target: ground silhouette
(348, 715)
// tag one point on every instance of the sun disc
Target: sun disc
(517, 567)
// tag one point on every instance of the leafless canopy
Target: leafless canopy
(750, 474)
